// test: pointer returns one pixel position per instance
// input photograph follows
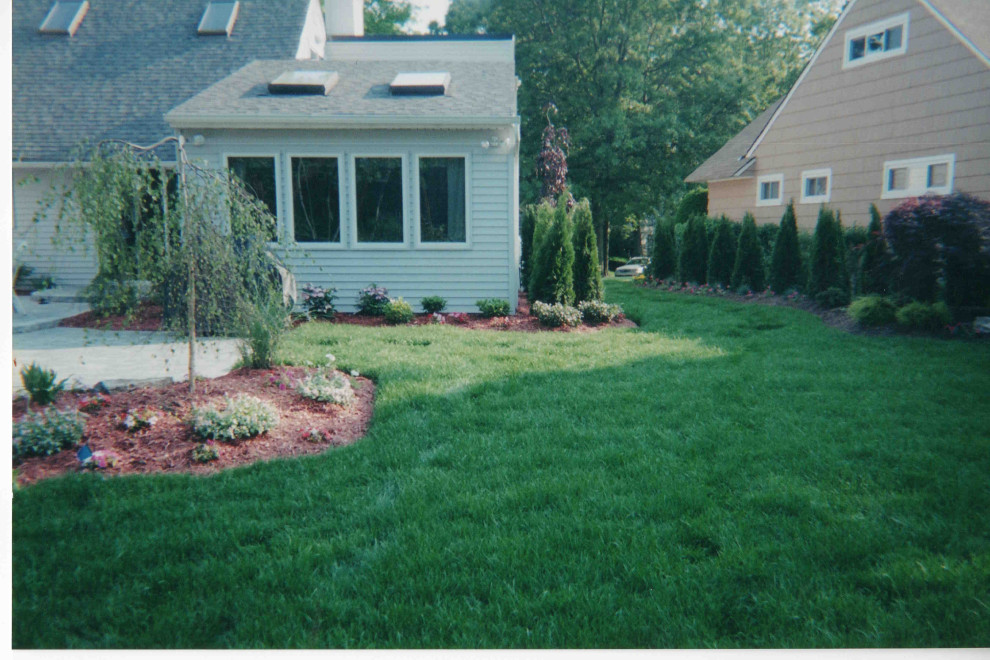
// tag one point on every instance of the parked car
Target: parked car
(635, 266)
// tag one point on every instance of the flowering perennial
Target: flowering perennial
(245, 416)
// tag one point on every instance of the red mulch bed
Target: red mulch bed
(149, 318)
(167, 446)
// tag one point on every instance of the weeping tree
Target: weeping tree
(195, 241)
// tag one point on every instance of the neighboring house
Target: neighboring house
(109, 69)
(895, 103)
(395, 161)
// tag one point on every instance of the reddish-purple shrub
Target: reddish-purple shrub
(948, 237)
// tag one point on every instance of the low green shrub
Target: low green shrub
(924, 316)
(873, 310)
(40, 384)
(329, 386)
(433, 304)
(832, 297)
(244, 416)
(205, 452)
(372, 300)
(556, 315)
(264, 325)
(110, 297)
(398, 312)
(597, 311)
(47, 432)
(492, 307)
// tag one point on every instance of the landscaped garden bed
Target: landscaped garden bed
(167, 443)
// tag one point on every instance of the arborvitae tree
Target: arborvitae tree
(722, 257)
(827, 268)
(749, 269)
(840, 235)
(873, 262)
(693, 263)
(664, 261)
(694, 202)
(556, 259)
(538, 270)
(527, 223)
(587, 274)
(786, 269)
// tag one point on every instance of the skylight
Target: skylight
(433, 83)
(64, 18)
(303, 82)
(219, 18)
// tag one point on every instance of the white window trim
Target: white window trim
(918, 176)
(354, 243)
(815, 174)
(769, 178)
(417, 220)
(872, 28)
(280, 230)
(290, 208)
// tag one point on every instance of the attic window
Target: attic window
(304, 82)
(219, 18)
(420, 84)
(876, 41)
(64, 18)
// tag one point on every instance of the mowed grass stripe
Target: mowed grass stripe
(727, 475)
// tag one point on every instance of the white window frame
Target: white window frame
(417, 220)
(769, 178)
(280, 230)
(290, 230)
(918, 176)
(862, 31)
(354, 243)
(816, 174)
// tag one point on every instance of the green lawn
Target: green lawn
(727, 475)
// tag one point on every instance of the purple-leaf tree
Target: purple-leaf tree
(551, 163)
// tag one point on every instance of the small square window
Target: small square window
(898, 178)
(938, 175)
(770, 190)
(816, 187)
(857, 48)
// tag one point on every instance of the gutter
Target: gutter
(218, 121)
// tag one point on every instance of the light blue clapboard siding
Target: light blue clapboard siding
(487, 268)
(70, 260)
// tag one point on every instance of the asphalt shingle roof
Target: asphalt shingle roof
(477, 89)
(129, 63)
(728, 160)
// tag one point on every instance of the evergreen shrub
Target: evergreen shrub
(748, 270)
(492, 307)
(587, 273)
(827, 270)
(786, 267)
(722, 257)
(873, 310)
(693, 259)
(925, 317)
(398, 312)
(664, 262)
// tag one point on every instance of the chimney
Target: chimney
(345, 18)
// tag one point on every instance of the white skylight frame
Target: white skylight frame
(877, 27)
(807, 175)
(918, 172)
(215, 11)
(303, 82)
(770, 178)
(57, 11)
(420, 83)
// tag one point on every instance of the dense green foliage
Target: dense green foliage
(243, 416)
(540, 268)
(692, 262)
(786, 268)
(492, 307)
(587, 270)
(873, 260)
(693, 203)
(47, 432)
(648, 89)
(556, 315)
(664, 261)
(527, 225)
(749, 270)
(873, 310)
(827, 269)
(553, 277)
(722, 257)
(40, 384)
(433, 304)
(783, 483)
(398, 312)
(925, 317)
(386, 16)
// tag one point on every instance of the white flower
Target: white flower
(354, 372)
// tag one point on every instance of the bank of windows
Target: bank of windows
(876, 41)
(379, 195)
(918, 176)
